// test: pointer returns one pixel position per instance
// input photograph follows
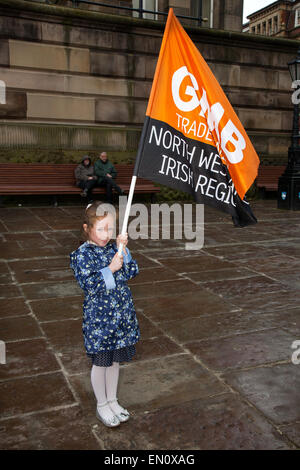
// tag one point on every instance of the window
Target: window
(253, 30)
(275, 23)
(297, 17)
(206, 12)
(264, 28)
(150, 5)
(270, 32)
(258, 29)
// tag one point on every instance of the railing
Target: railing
(140, 10)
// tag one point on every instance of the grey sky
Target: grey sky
(250, 6)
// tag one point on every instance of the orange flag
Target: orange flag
(194, 127)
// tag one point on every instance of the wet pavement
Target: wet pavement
(213, 368)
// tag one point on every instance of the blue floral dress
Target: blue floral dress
(110, 326)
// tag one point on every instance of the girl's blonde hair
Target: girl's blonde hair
(97, 210)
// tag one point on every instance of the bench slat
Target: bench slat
(268, 176)
(51, 178)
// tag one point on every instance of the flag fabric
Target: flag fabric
(192, 139)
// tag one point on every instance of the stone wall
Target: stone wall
(228, 14)
(79, 80)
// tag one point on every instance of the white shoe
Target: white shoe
(109, 422)
(124, 415)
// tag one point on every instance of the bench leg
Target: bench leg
(55, 201)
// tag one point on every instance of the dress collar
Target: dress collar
(108, 245)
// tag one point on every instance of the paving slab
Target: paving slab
(292, 431)
(288, 320)
(3, 228)
(223, 422)
(146, 385)
(144, 261)
(12, 250)
(26, 224)
(159, 273)
(34, 393)
(13, 307)
(246, 251)
(216, 326)
(21, 327)
(270, 263)
(213, 366)
(284, 246)
(66, 340)
(179, 252)
(160, 346)
(273, 390)
(219, 274)
(5, 275)
(24, 237)
(46, 289)
(51, 269)
(244, 350)
(62, 429)
(57, 308)
(28, 357)
(9, 291)
(267, 302)
(254, 285)
(162, 288)
(194, 263)
(290, 277)
(179, 307)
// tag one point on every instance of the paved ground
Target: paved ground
(213, 368)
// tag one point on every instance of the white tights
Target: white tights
(105, 383)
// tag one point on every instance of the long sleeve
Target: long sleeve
(92, 280)
(113, 171)
(82, 173)
(130, 265)
(77, 173)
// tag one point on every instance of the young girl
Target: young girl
(110, 326)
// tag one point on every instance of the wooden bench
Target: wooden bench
(57, 179)
(267, 178)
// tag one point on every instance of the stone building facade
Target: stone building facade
(279, 19)
(80, 80)
(219, 14)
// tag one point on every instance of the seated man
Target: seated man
(85, 176)
(107, 174)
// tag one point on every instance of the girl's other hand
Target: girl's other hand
(116, 263)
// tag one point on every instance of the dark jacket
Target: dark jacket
(83, 172)
(101, 169)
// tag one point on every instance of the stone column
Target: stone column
(228, 15)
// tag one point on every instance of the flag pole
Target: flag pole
(145, 128)
(133, 179)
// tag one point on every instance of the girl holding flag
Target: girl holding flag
(110, 326)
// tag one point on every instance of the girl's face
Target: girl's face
(102, 230)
